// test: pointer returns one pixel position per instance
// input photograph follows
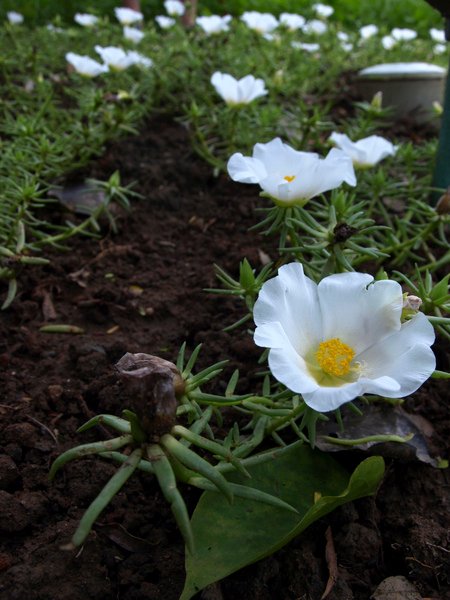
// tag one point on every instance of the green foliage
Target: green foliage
(310, 481)
(409, 13)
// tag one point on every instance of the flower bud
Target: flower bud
(443, 204)
(151, 387)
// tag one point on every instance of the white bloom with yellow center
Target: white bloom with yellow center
(174, 8)
(115, 58)
(323, 10)
(259, 22)
(365, 152)
(292, 21)
(165, 22)
(133, 34)
(85, 19)
(214, 23)
(342, 338)
(288, 176)
(85, 65)
(128, 16)
(236, 92)
(368, 31)
(15, 18)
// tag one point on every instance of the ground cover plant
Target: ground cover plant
(251, 283)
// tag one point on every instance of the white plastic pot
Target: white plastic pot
(409, 88)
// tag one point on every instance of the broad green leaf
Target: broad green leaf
(230, 536)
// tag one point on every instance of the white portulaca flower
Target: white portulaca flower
(388, 42)
(291, 21)
(368, 31)
(366, 152)
(323, 10)
(133, 34)
(346, 46)
(14, 17)
(214, 24)
(85, 19)
(115, 58)
(165, 22)
(437, 35)
(259, 22)
(439, 48)
(237, 92)
(315, 26)
(85, 65)
(342, 338)
(128, 16)
(139, 59)
(290, 177)
(174, 8)
(403, 35)
(342, 36)
(308, 47)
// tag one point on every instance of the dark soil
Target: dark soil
(141, 290)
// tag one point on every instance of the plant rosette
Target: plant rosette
(365, 153)
(291, 177)
(341, 338)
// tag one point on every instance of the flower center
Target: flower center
(334, 357)
(289, 178)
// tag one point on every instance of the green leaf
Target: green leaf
(229, 537)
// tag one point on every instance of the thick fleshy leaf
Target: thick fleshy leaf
(229, 537)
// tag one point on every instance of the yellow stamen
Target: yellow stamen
(289, 178)
(334, 357)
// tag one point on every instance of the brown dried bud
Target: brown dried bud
(443, 204)
(151, 386)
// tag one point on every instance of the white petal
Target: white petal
(334, 169)
(357, 313)
(405, 356)
(324, 399)
(246, 169)
(291, 300)
(290, 369)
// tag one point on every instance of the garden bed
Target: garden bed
(141, 290)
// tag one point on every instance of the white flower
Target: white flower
(437, 35)
(288, 176)
(260, 22)
(388, 42)
(403, 35)
(366, 152)
(439, 48)
(292, 22)
(347, 47)
(315, 26)
(236, 92)
(323, 10)
(174, 8)
(14, 17)
(85, 20)
(368, 31)
(342, 338)
(341, 35)
(128, 16)
(165, 22)
(214, 24)
(54, 29)
(133, 34)
(115, 58)
(140, 60)
(313, 47)
(84, 65)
